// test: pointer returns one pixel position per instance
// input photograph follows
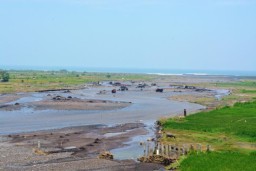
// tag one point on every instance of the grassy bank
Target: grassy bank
(229, 129)
(238, 120)
(24, 81)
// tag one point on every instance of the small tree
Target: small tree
(108, 76)
(5, 76)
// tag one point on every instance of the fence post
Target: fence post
(177, 151)
(144, 148)
(162, 149)
(208, 148)
(39, 144)
(167, 150)
(199, 148)
(158, 149)
(185, 149)
(148, 149)
(192, 147)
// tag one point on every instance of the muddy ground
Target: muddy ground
(75, 148)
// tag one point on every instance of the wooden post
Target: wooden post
(38, 144)
(162, 149)
(151, 151)
(177, 151)
(158, 149)
(199, 148)
(192, 147)
(170, 150)
(157, 152)
(148, 149)
(183, 150)
(208, 148)
(144, 149)
(166, 150)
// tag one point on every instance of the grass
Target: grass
(216, 161)
(218, 141)
(229, 130)
(24, 81)
(239, 84)
(238, 120)
(196, 98)
(242, 91)
(248, 91)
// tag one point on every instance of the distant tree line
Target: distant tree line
(4, 76)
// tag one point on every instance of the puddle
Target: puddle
(108, 135)
(26, 100)
(133, 149)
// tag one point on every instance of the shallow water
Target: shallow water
(133, 149)
(146, 106)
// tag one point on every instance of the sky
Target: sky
(167, 34)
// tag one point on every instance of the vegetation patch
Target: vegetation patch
(238, 120)
(248, 91)
(244, 83)
(29, 81)
(230, 131)
(228, 161)
(202, 99)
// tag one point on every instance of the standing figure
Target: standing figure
(185, 112)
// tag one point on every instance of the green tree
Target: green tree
(4, 76)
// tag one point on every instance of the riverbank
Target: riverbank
(228, 132)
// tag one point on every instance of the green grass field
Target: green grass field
(219, 161)
(231, 129)
(238, 120)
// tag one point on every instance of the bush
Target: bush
(5, 76)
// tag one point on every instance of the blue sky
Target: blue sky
(169, 34)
